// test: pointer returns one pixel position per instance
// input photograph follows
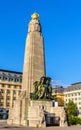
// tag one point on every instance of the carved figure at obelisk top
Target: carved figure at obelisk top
(34, 60)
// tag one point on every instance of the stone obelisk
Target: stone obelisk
(34, 60)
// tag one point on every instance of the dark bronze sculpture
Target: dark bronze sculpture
(42, 89)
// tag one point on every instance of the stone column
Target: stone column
(11, 98)
(5, 98)
(17, 94)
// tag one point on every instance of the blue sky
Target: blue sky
(61, 28)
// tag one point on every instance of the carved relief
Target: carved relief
(34, 26)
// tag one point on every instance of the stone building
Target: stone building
(58, 94)
(10, 87)
(73, 92)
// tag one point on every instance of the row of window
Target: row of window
(77, 88)
(7, 98)
(11, 79)
(7, 104)
(8, 92)
(73, 94)
(9, 86)
(7, 101)
(74, 99)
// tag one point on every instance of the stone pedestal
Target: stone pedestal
(37, 114)
(15, 113)
(18, 114)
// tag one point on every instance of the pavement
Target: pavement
(4, 126)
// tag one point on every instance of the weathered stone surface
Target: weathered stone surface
(34, 63)
(41, 112)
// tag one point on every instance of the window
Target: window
(4, 78)
(78, 93)
(68, 95)
(75, 94)
(2, 97)
(20, 87)
(14, 92)
(1, 104)
(14, 98)
(75, 98)
(17, 80)
(8, 86)
(8, 91)
(14, 79)
(20, 80)
(10, 79)
(79, 103)
(7, 104)
(3, 85)
(15, 86)
(2, 91)
(8, 97)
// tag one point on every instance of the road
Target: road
(4, 126)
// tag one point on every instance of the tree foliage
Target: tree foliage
(74, 120)
(71, 111)
(71, 108)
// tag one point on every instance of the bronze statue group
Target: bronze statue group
(42, 89)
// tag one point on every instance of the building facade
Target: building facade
(73, 93)
(10, 87)
(58, 94)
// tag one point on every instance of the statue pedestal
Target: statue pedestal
(35, 113)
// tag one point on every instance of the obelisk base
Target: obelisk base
(18, 114)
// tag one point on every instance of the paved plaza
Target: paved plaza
(4, 126)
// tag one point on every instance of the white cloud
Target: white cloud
(58, 83)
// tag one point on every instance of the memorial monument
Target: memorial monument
(33, 107)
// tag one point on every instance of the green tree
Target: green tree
(71, 108)
(71, 111)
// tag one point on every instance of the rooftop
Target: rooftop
(10, 71)
(73, 87)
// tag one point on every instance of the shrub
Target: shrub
(73, 120)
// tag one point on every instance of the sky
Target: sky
(61, 29)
